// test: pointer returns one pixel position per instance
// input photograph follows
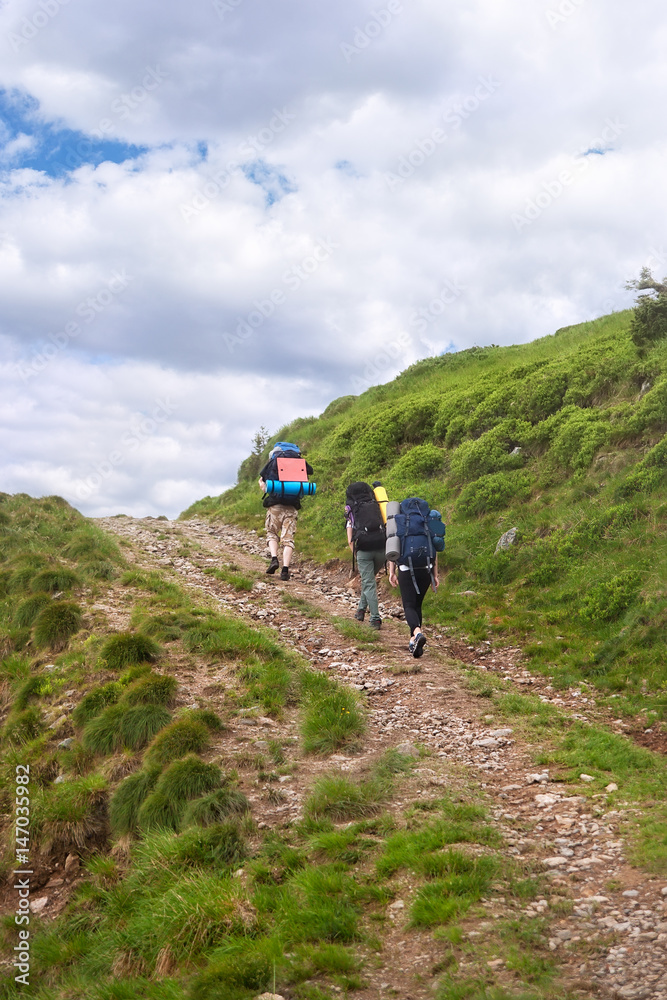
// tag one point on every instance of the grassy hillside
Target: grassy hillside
(564, 439)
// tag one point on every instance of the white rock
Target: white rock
(546, 800)
(37, 905)
(500, 733)
(554, 862)
(538, 779)
(611, 787)
(630, 893)
(587, 777)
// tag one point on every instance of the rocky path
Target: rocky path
(605, 921)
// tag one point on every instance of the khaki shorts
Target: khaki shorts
(280, 524)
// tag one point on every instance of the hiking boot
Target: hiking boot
(376, 623)
(284, 573)
(359, 614)
(416, 645)
(273, 565)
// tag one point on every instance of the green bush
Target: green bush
(580, 436)
(607, 601)
(238, 976)
(494, 492)
(649, 323)
(74, 811)
(337, 797)
(178, 739)
(422, 461)
(127, 649)
(56, 623)
(215, 807)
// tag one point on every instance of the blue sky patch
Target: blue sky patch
(26, 141)
(269, 178)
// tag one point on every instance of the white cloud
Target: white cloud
(474, 111)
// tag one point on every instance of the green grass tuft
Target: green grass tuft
(215, 807)
(128, 798)
(54, 580)
(332, 719)
(28, 610)
(56, 623)
(178, 739)
(189, 778)
(119, 726)
(127, 649)
(154, 689)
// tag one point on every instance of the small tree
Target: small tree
(259, 441)
(649, 323)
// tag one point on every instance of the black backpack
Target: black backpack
(368, 531)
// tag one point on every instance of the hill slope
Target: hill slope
(563, 439)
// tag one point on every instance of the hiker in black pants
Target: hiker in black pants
(412, 600)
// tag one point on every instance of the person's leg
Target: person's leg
(378, 562)
(289, 518)
(271, 539)
(369, 597)
(410, 597)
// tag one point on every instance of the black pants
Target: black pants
(412, 601)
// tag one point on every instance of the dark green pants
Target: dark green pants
(369, 564)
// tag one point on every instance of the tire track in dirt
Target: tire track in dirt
(612, 943)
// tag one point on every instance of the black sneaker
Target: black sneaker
(284, 573)
(376, 623)
(273, 565)
(418, 644)
(359, 615)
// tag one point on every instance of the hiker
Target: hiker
(415, 535)
(283, 504)
(366, 538)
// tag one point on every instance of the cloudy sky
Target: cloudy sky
(224, 214)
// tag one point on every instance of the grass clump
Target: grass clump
(332, 718)
(28, 610)
(95, 702)
(24, 726)
(338, 797)
(54, 580)
(178, 739)
(74, 812)
(127, 649)
(189, 778)
(239, 581)
(128, 799)
(461, 881)
(120, 726)
(154, 689)
(215, 807)
(219, 846)
(56, 623)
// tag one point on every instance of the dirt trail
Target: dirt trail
(613, 942)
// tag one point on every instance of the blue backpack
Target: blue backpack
(421, 534)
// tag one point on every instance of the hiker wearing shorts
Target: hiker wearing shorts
(281, 518)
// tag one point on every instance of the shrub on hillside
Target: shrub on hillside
(74, 811)
(494, 492)
(492, 452)
(128, 648)
(579, 437)
(159, 812)
(607, 601)
(56, 623)
(424, 460)
(217, 846)
(649, 323)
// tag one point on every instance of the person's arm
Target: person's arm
(436, 578)
(349, 536)
(393, 579)
(262, 484)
